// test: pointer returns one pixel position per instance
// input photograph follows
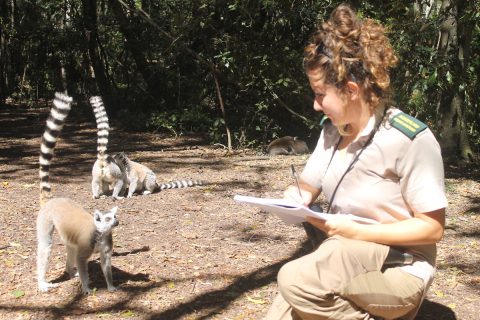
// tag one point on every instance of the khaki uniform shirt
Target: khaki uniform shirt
(393, 177)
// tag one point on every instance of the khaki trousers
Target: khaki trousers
(343, 279)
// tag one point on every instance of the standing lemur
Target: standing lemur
(82, 233)
(141, 179)
(106, 173)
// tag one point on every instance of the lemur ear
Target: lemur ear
(114, 210)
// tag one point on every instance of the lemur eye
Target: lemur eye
(107, 219)
(98, 219)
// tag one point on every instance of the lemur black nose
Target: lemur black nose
(116, 223)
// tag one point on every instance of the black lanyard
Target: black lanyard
(352, 163)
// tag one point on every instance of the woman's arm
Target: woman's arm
(423, 228)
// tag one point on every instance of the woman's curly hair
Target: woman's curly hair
(347, 48)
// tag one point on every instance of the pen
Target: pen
(294, 174)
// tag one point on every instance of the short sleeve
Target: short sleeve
(421, 174)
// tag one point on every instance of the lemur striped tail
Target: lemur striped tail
(179, 184)
(102, 127)
(58, 115)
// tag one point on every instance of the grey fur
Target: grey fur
(106, 173)
(81, 233)
(143, 180)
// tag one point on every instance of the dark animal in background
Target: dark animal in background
(287, 146)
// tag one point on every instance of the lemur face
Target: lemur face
(106, 221)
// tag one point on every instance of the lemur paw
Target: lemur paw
(44, 286)
(146, 192)
(86, 291)
(71, 272)
(112, 288)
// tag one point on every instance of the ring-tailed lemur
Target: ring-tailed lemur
(142, 179)
(82, 233)
(106, 173)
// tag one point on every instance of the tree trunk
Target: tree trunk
(3, 51)
(224, 114)
(134, 45)
(3, 67)
(91, 37)
(224, 78)
(451, 108)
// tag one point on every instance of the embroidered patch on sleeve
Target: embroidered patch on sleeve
(408, 125)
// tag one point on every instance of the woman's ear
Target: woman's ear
(353, 90)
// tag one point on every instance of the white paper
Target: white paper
(293, 213)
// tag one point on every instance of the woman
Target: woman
(371, 161)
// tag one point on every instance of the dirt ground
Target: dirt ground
(189, 253)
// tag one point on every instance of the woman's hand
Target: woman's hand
(339, 225)
(305, 195)
(292, 193)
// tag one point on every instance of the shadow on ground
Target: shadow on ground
(435, 311)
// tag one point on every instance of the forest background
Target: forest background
(229, 72)
(232, 70)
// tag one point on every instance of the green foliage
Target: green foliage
(183, 121)
(162, 78)
(18, 293)
(425, 72)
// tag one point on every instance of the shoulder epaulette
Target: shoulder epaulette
(407, 125)
(322, 121)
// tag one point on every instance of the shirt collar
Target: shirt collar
(363, 136)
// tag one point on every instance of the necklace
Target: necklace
(352, 163)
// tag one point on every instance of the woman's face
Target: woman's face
(329, 100)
